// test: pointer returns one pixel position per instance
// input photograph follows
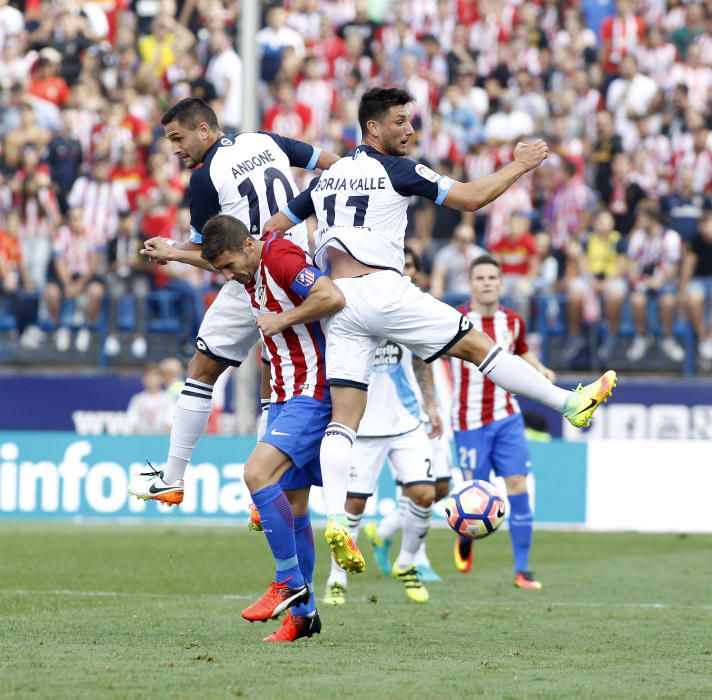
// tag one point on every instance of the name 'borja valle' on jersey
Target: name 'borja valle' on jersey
(361, 205)
(283, 279)
(478, 401)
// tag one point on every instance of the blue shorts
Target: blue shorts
(500, 446)
(296, 428)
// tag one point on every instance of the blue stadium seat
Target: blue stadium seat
(165, 312)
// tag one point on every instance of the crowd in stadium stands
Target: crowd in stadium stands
(614, 228)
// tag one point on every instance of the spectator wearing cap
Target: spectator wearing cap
(696, 284)
(99, 198)
(128, 273)
(77, 257)
(654, 253)
(46, 83)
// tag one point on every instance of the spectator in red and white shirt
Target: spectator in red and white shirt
(621, 36)
(76, 260)
(99, 198)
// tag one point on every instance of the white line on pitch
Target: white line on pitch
(229, 596)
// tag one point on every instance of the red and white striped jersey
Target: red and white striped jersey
(77, 249)
(101, 201)
(478, 401)
(281, 282)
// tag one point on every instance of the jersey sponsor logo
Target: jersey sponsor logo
(257, 161)
(355, 184)
(388, 354)
(465, 323)
(426, 173)
(306, 278)
(225, 141)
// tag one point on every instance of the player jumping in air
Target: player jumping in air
(288, 296)
(249, 177)
(488, 425)
(361, 207)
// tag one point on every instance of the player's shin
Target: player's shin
(278, 526)
(520, 529)
(189, 422)
(304, 540)
(513, 374)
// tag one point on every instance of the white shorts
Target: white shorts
(442, 458)
(409, 454)
(386, 305)
(228, 330)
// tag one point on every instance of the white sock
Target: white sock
(513, 374)
(335, 456)
(354, 524)
(191, 417)
(421, 556)
(393, 522)
(416, 524)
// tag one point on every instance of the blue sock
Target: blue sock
(520, 530)
(305, 553)
(278, 525)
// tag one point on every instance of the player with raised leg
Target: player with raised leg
(249, 177)
(361, 207)
(487, 421)
(288, 296)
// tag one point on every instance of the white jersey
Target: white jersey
(393, 405)
(249, 177)
(477, 401)
(361, 205)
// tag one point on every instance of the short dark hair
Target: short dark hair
(484, 260)
(377, 101)
(190, 112)
(417, 262)
(222, 232)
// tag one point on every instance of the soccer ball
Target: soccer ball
(475, 509)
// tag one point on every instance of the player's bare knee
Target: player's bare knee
(422, 495)
(204, 369)
(355, 506)
(516, 484)
(472, 347)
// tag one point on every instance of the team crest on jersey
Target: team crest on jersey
(426, 173)
(261, 295)
(306, 278)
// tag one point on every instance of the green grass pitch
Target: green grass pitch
(129, 611)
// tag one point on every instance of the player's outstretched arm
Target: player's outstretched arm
(424, 376)
(473, 195)
(324, 299)
(162, 250)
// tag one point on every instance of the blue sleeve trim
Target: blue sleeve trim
(444, 185)
(195, 236)
(290, 214)
(304, 281)
(315, 157)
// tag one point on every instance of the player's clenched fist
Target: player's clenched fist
(270, 324)
(530, 155)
